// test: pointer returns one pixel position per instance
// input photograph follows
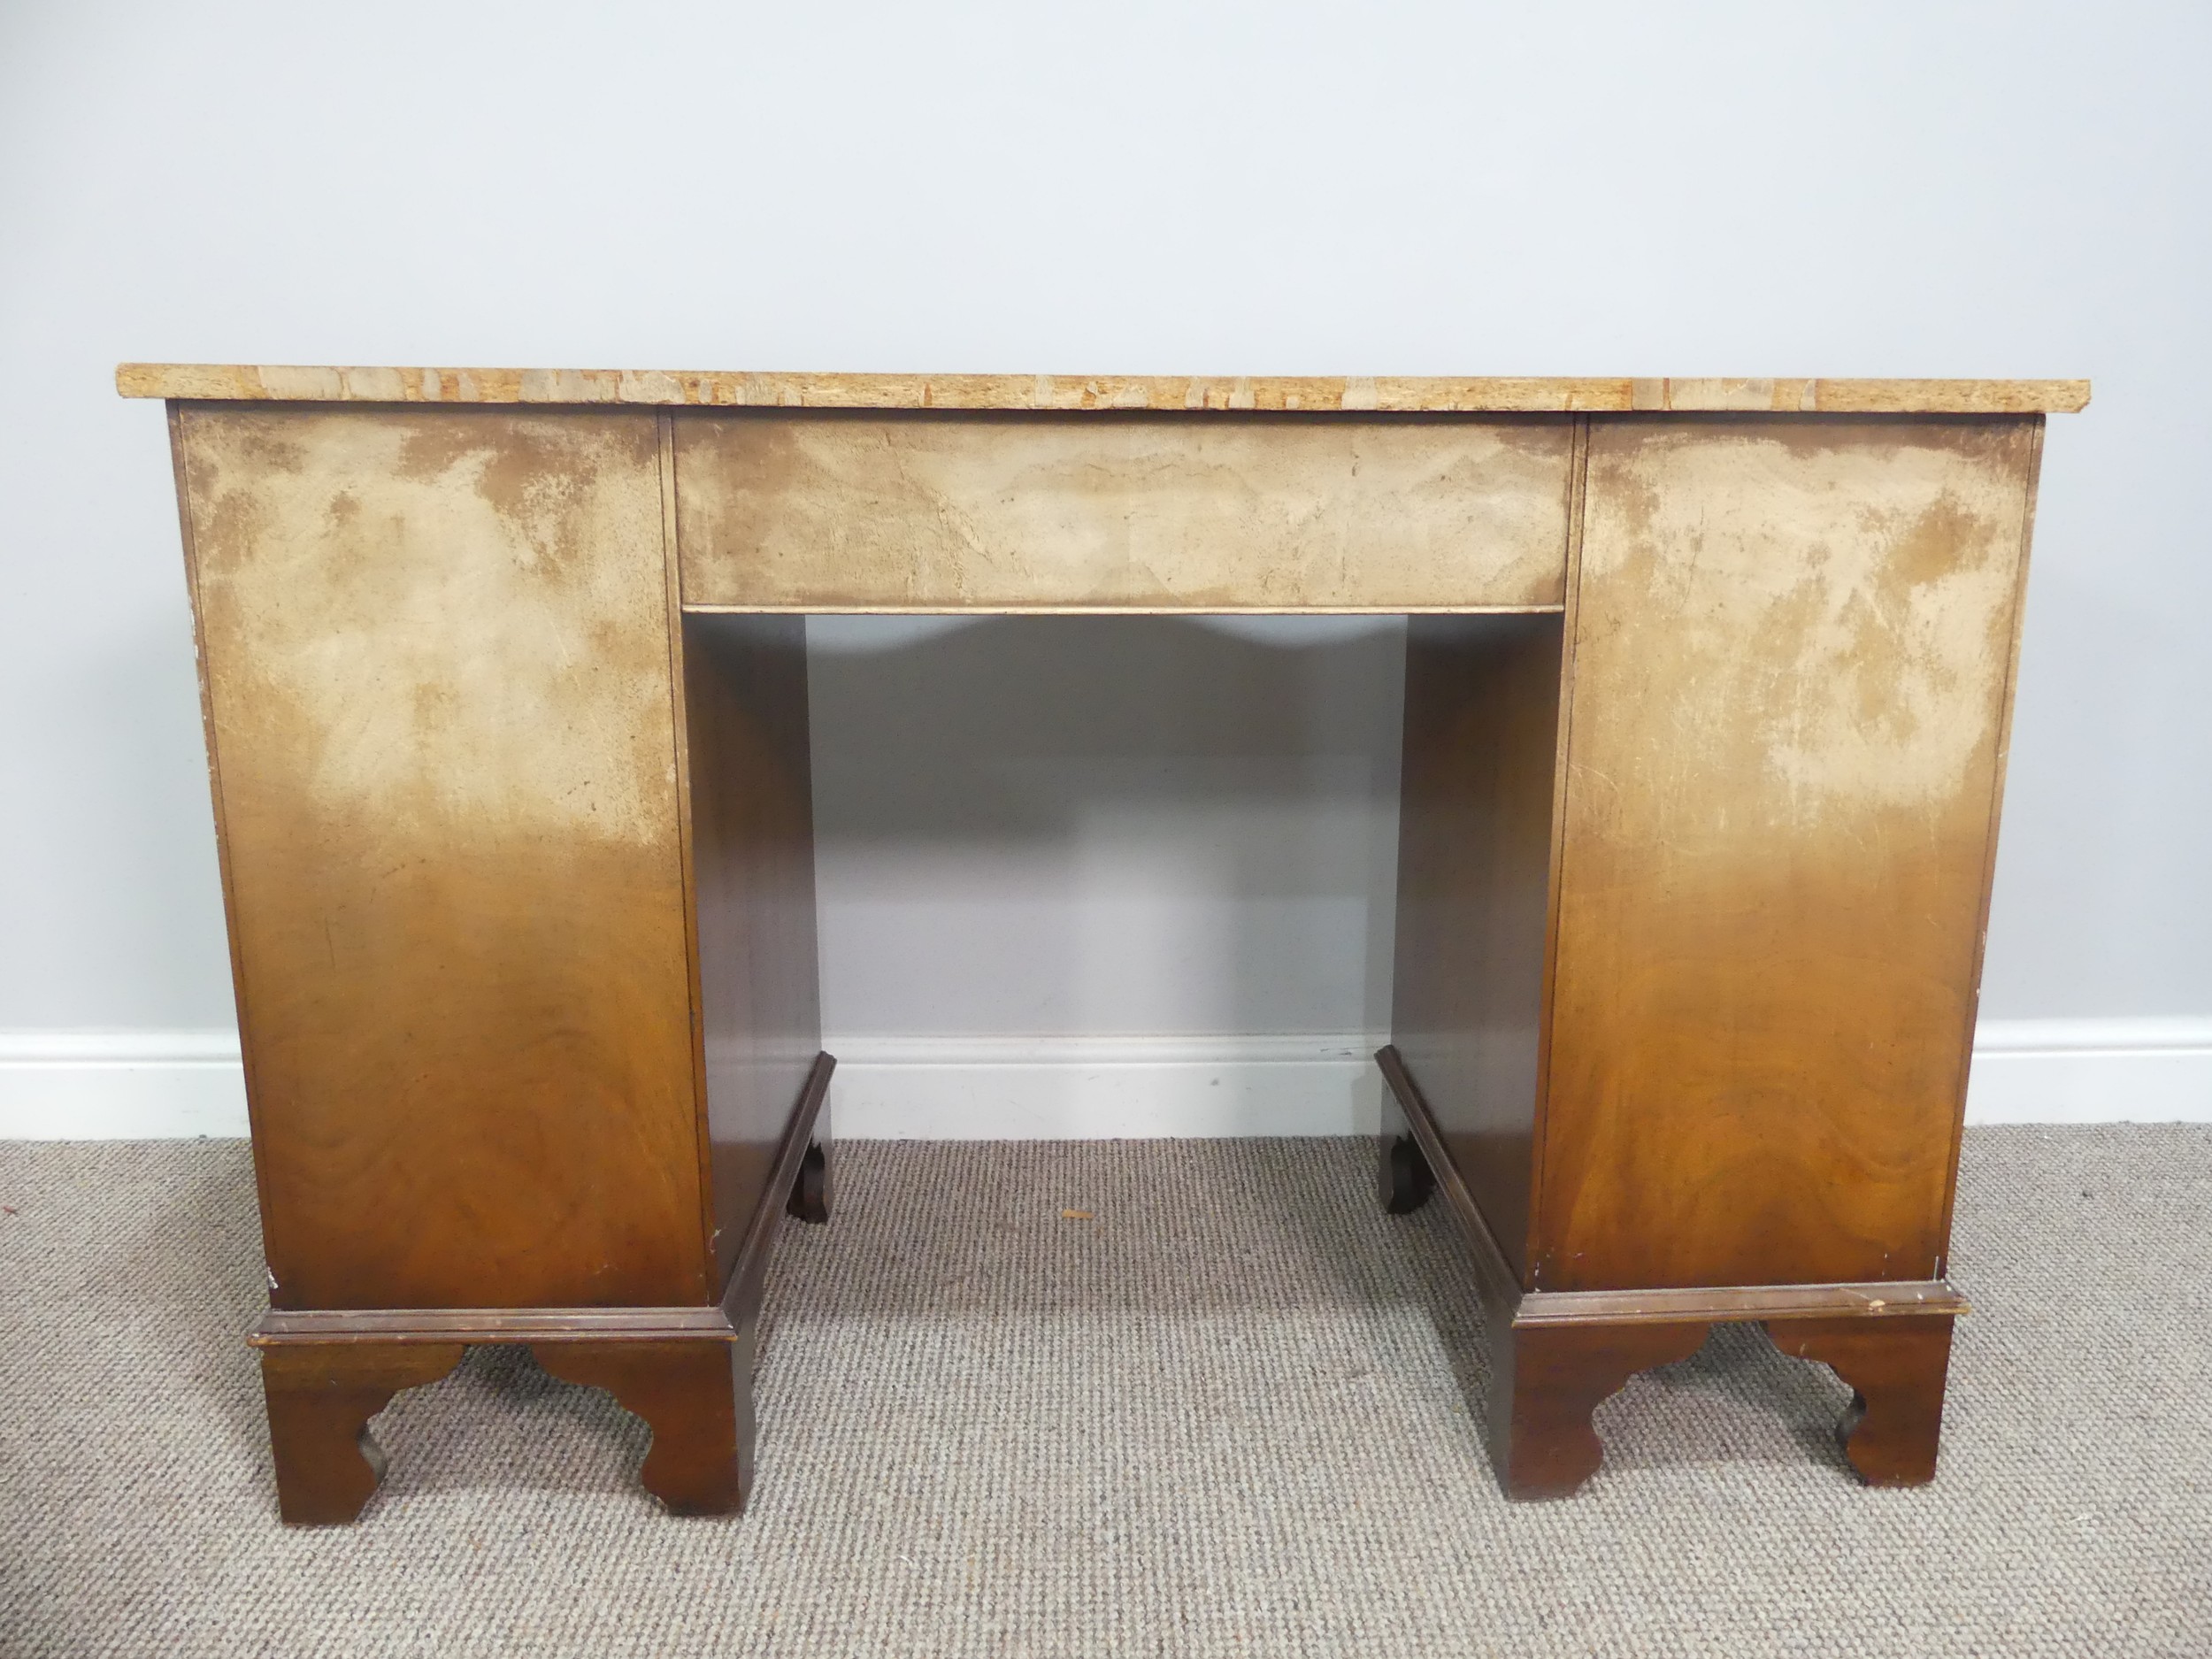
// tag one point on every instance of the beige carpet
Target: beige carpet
(1229, 1414)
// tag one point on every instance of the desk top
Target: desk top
(1311, 395)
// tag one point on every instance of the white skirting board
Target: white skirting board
(120, 1085)
(115, 1085)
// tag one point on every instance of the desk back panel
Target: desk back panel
(1792, 660)
(907, 512)
(436, 656)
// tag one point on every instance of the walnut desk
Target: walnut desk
(504, 672)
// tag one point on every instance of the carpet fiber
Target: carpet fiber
(1230, 1412)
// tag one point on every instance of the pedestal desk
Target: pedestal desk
(504, 678)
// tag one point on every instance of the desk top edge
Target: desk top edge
(1231, 393)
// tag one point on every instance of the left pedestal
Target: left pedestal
(529, 1021)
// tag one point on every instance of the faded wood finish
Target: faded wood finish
(915, 512)
(752, 842)
(1794, 654)
(514, 812)
(1231, 393)
(436, 658)
(1787, 675)
(1474, 867)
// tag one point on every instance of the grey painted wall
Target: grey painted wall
(1064, 824)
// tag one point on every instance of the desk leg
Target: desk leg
(321, 1397)
(695, 1396)
(1896, 1367)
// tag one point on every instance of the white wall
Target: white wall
(1172, 829)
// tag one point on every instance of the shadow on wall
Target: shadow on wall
(1106, 825)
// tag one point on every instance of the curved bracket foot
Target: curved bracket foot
(1546, 1381)
(321, 1397)
(697, 1399)
(1897, 1367)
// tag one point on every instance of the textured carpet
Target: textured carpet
(1228, 1413)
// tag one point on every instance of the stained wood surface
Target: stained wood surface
(1792, 660)
(918, 512)
(515, 819)
(435, 649)
(1474, 863)
(752, 849)
(1316, 393)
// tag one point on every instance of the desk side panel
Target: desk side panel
(435, 646)
(752, 818)
(822, 511)
(1793, 656)
(1481, 747)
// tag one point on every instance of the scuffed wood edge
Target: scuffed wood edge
(1315, 394)
(491, 1325)
(1719, 1303)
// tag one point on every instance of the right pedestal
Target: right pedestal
(1693, 880)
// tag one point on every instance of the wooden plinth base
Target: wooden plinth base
(1555, 1355)
(687, 1371)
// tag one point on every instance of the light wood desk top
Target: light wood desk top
(1105, 392)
